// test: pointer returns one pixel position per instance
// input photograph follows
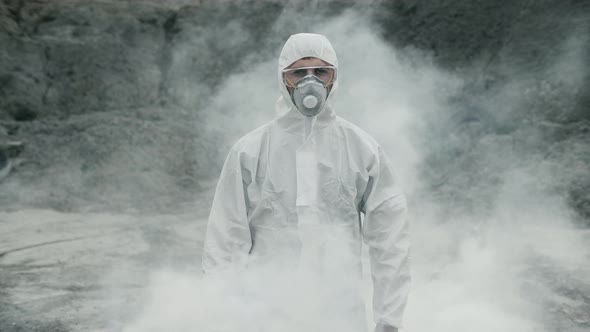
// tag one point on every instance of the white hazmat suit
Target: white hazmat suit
(300, 185)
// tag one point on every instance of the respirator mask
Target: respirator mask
(309, 87)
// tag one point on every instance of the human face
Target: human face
(309, 66)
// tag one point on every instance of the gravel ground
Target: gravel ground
(87, 272)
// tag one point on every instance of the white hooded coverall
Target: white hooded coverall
(297, 176)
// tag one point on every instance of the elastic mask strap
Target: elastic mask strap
(293, 85)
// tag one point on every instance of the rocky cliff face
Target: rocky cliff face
(526, 67)
(106, 95)
(109, 94)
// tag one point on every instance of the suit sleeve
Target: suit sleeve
(228, 239)
(386, 232)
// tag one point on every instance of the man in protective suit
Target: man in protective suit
(309, 183)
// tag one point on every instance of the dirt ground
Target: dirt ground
(86, 272)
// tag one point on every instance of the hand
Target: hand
(385, 328)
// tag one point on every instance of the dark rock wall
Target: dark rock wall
(522, 33)
(106, 96)
(525, 100)
(78, 83)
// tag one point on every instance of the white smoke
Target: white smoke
(474, 272)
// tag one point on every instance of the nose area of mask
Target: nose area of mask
(309, 96)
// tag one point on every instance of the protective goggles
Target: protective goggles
(326, 74)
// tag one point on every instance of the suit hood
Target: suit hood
(299, 46)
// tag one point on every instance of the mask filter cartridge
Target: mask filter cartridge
(309, 95)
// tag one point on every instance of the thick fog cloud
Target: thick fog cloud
(485, 257)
